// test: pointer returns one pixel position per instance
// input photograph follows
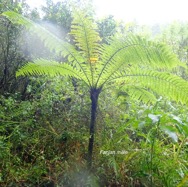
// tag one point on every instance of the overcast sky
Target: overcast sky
(144, 11)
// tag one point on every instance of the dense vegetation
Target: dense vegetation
(67, 77)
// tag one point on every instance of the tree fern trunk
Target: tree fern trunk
(94, 94)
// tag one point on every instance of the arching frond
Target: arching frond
(138, 93)
(161, 83)
(51, 42)
(133, 51)
(85, 35)
(50, 68)
(87, 39)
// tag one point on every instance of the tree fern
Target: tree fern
(130, 61)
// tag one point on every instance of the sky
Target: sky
(142, 11)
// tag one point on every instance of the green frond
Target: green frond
(133, 51)
(50, 68)
(16, 18)
(138, 93)
(162, 83)
(86, 37)
(52, 42)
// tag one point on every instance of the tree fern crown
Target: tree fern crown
(129, 60)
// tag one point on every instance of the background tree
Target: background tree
(58, 14)
(107, 28)
(11, 56)
(176, 36)
(131, 62)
